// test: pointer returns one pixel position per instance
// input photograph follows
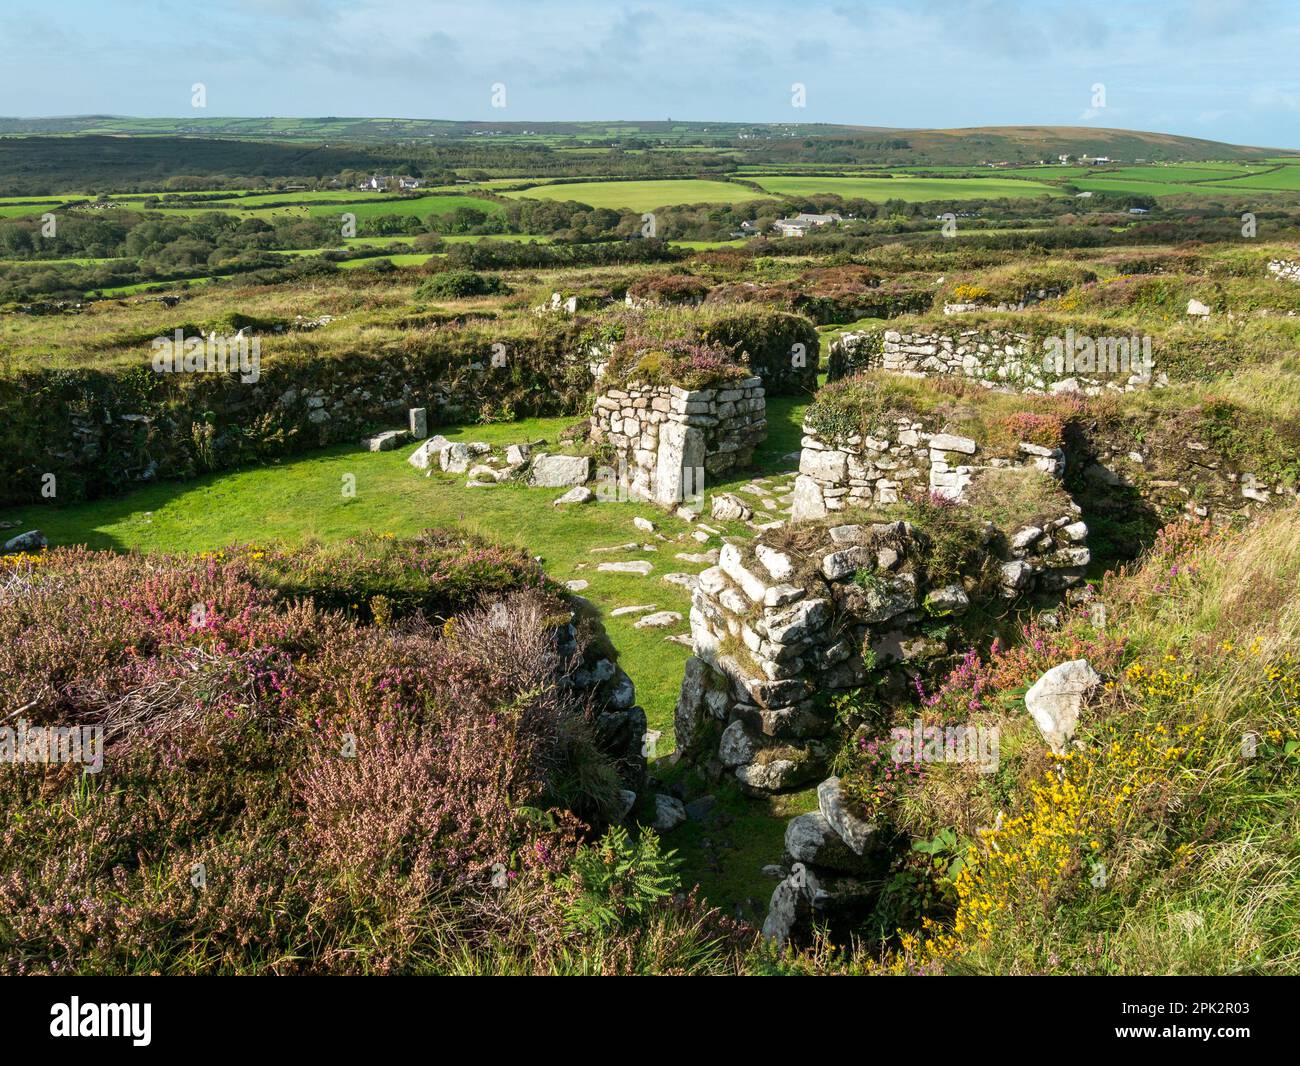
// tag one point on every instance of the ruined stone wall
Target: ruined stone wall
(667, 436)
(875, 469)
(777, 632)
(997, 359)
(1288, 269)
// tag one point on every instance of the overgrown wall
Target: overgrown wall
(866, 470)
(101, 431)
(779, 630)
(1001, 358)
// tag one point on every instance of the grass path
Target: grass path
(302, 497)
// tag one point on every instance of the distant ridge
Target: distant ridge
(986, 144)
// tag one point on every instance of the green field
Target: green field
(641, 195)
(910, 189)
(1131, 187)
(1283, 179)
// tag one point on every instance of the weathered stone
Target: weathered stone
(797, 622)
(808, 503)
(733, 565)
(1016, 574)
(428, 453)
(1055, 700)
(658, 620)
(1025, 537)
(737, 746)
(845, 534)
(847, 561)
(823, 465)
(692, 714)
(786, 912)
(455, 458)
(31, 541)
(951, 599)
(810, 839)
(669, 812)
(727, 507)
(778, 564)
(559, 471)
(1075, 531)
(680, 463)
(639, 566)
(385, 441)
(642, 608)
(856, 832)
(882, 599)
(779, 773)
(578, 494)
(417, 423)
(947, 442)
(780, 595)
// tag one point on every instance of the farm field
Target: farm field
(640, 195)
(906, 188)
(1283, 179)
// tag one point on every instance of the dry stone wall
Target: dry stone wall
(1288, 269)
(671, 440)
(1000, 359)
(776, 632)
(895, 458)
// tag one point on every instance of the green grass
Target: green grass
(907, 188)
(641, 195)
(1283, 179)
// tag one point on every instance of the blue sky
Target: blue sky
(1222, 69)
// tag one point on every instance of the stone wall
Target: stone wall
(101, 432)
(1285, 268)
(778, 631)
(863, 471)
(994, 358)
(672, 440)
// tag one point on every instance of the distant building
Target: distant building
(387, 181)
(1137, 210)
(802, 223)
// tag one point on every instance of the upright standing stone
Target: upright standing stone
(419, 423)
(679, 470)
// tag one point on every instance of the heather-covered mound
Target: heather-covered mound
(373, 758)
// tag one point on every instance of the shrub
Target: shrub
(670, 288)
(458, 284)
